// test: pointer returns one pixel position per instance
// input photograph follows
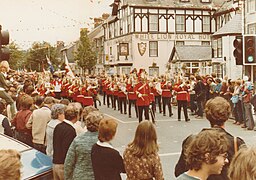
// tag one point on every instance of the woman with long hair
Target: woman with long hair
(141, 157)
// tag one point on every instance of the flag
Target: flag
(67, 67)
(50, 64)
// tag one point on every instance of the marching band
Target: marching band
(136, 90)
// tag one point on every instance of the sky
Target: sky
(49, 20)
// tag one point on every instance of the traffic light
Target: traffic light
(249, 48)
(4, 40)
(238, 52)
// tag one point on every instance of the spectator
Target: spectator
(107, 163)
(205, 155)
(38, 102)
(78, 160)
(4, 68)
(64, 101)
(141, 159)
(5, 125)
(10, 164)
(242, 165)
(20, 120)
(73, 114)
(57, 115)
(38, 123)
(217, 111)
(63, 135)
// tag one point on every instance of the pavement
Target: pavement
(170, 132)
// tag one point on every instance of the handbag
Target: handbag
(234, 99)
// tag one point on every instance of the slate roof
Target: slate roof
(175, 3)
(232, 27)
(192, 53)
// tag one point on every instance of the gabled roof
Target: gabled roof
(175, 3)
(191, 53)
(232, 27)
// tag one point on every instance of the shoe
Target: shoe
(160, 111)
(178, 119)
(249, 129)
(164, 115)
(130, 116)
(125, 112)
(243, 126)
(237, 123)
(187, 120)
(199, 117)
(171, 115)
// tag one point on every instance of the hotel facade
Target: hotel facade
(167, 36)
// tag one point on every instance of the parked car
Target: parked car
(35, 164)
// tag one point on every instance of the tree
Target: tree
(37, 54)
(17, 57)
(85, 56)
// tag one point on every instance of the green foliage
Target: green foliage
(36, 57)
(85, 56)
(17, 57)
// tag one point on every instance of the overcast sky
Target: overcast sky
(48, 20)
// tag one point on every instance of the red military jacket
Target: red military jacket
(166, 89)
(104, 87)
(182, 93)
(109, 87)
(131, 93)
(142, 91)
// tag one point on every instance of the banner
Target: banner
(67, 67)
(50, 64)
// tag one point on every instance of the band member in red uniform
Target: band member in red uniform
(182, 99)
(115, 96)
(122, 98)
(157, 91)
(104, 89)
(166, 96)
(57, 84)
(142, 91)
(109, 89)
(132, 98)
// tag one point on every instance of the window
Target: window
(217, 48)
(206, 1)
(251, 6)
(153, 49)
(206, 23)
(191, 68)
(180, 43)
(153, 71)
(110, 50)
(153, 22)
(206, 43)
(126, 70)
(251, 28)
(218, 69)
(180, 23)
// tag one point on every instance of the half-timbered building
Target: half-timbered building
(153, 34)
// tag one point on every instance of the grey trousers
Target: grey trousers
(4, 95)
